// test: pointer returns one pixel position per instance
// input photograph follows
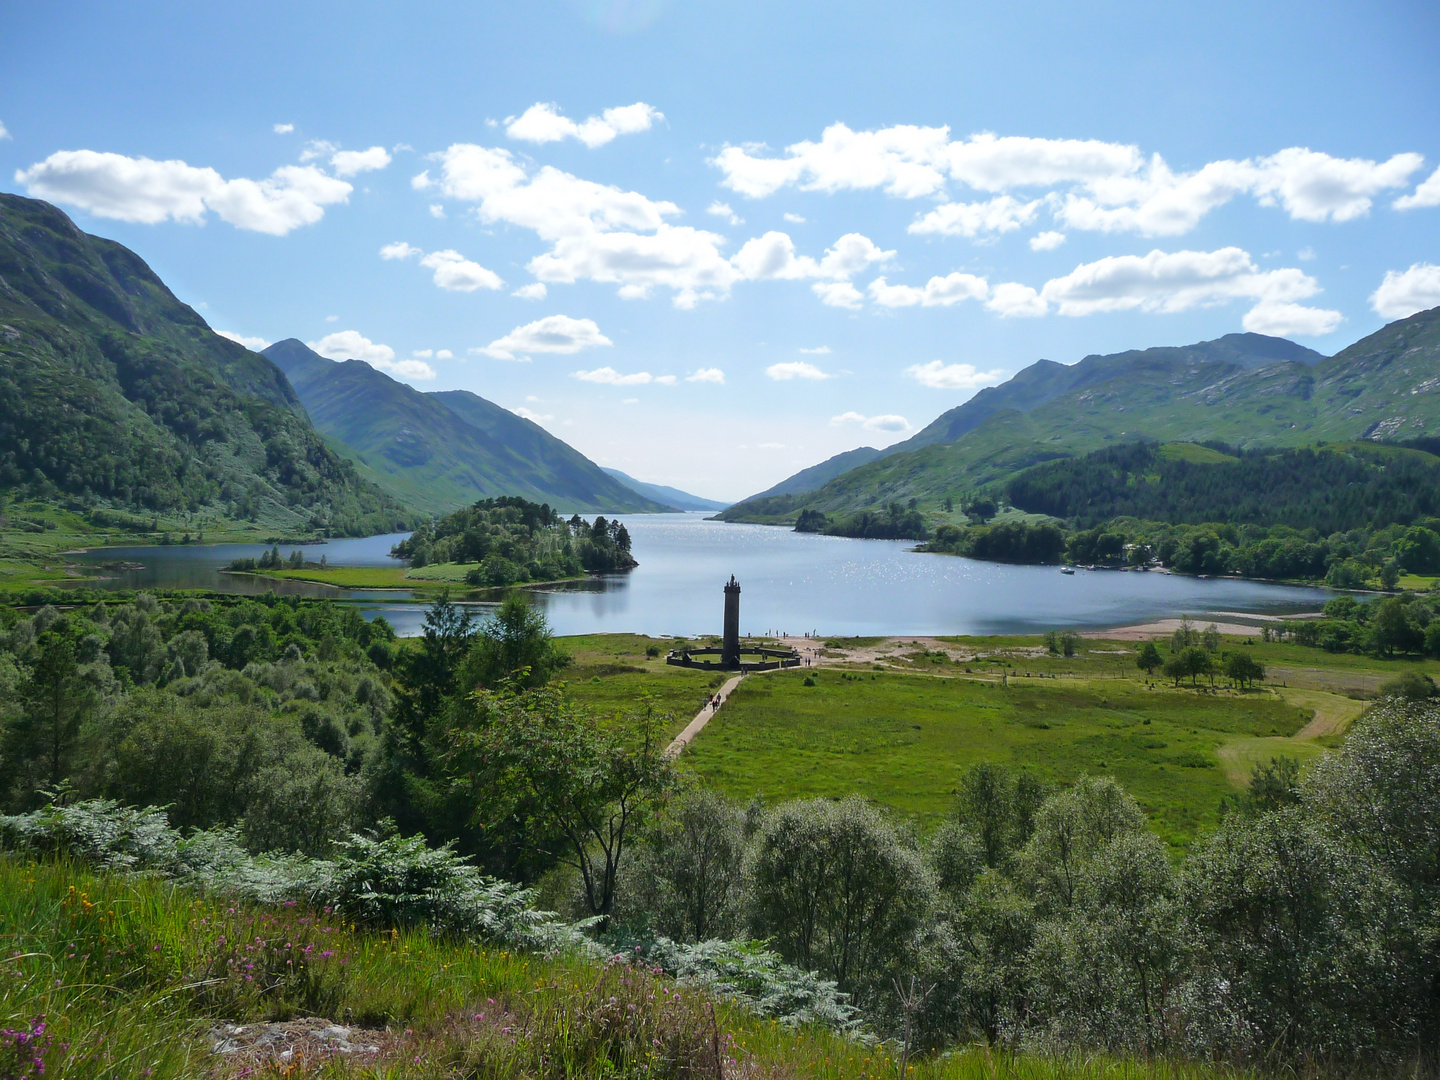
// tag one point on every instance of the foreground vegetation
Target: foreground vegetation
(997, 855)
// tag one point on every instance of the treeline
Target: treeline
(1009, 541)
(1405, 625)
(895, 522)
(513, 540)
(1328, 488)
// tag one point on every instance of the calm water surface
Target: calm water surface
(792, 582)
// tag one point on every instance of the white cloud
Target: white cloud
(552, 334)
(254, 344)
(1305, 254)
(706, 374)
(352, 345)
(938, 291)
(666, 380)
(1047, 241)
(534, 291)
(284, 129)
(941, 376)
(724, 210)
(534, 417)
(1427, 194)
(543, 123)
(1010, 299)
(3, 133)
(444, 354)
(149, 192)
(1290, 320)
(351, 162)
(795, 369)
(399, 250)
(455, 273)
(316, 149)
(332, 318)
(884, 422)
(608, 376)
(819, 350)
(1171, 282)
(437, 210)
(597, 233)
(839, 294)
(772, 256)
(794, 219)
(1107, 187)
(409, 369)
(1403, 293)
(1004, 213)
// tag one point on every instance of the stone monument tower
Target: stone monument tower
(730, 646)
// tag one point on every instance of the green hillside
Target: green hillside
(681, 500)
(1384, 386)
(117, 397)
(444, 450)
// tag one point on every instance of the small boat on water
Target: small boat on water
(1067, 570)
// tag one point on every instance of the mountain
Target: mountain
(681, 500)
(1043, 381)
(1243, 389)
(441, 451)
(115, 395)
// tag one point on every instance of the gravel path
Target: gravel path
(703, 717)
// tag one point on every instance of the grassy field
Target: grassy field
(611, 674)
(904, 740)
(131, 977)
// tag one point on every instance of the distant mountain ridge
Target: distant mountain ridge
(440, 451)
(1244, 389)
(115, 394)
(681, 500)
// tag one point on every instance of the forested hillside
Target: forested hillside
(1252, 392)
(114, 394)
(440, 451)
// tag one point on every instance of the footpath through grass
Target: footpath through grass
(130, 978)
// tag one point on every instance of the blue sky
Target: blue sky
(765, 233)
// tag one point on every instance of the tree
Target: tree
(1244, 669)
(1191, 662)
(427, 676)
(1148, 658)
(689, 876)
(56, 704)
(998, 806)
(513, 645)
(839, 889)
(532, 764)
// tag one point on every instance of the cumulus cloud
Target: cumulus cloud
(552, 334)
(534, 291)
(1004, 213)
(1010, 299)
(543, 123)
(706, 374)
(456, 273)
(819, 350)
(839, 294)
(596, 232)
(1403, 293)
(351, 162)
(884, 422)
(941, 376)
(284, 129)
(772, 257)
(453, 272)
(435, 354)
(1290, 320)
(1047, 241)
(608, 376)
(723, 210)
(938, 291)
(533, 417)
(353, 345)
(1102, 186)
(794, 219)
(795, 369)
(1427, 194)
(1170, 282)
(149, 192)
(437, 210)
(254, 344)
